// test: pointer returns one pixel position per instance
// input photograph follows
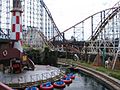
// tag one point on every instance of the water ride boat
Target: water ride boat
(67, 80)
(31, 88)
(46, 86)
(59, 84)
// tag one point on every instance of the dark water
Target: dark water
(83, 82)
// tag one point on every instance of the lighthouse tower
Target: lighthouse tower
(16, 25)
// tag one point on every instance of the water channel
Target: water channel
(84, 82)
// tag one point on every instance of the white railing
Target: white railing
(10, 79)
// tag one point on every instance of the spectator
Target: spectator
(108, 63)
(76, 57)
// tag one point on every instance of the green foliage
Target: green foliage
(113, 73)
(46, 57)
(50, 57)
(67, 71)
(110, 72)
(67, 55)
(35, 55)
(26, 47)
(102, 69)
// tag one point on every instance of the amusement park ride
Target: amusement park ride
(12, 56)
(102, 27)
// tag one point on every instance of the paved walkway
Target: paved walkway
(41, 72)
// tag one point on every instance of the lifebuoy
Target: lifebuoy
(5, 53)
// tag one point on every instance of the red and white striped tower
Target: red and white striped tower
(16, 24)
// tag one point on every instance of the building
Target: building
(34, 16)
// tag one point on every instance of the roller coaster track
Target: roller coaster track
(37, 37)
(47, 43)
(74, 49)
(50, 16)
(102, 25)
(109, 14)
(3, 35)
(96, 28)
(99, 27)
(40, 34)
(55, 29)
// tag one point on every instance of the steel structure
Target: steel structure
(55, 28)
(3, 35)
(100, 31)
(36, 39)
(47, 30)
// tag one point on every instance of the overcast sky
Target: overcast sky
(69, 12)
